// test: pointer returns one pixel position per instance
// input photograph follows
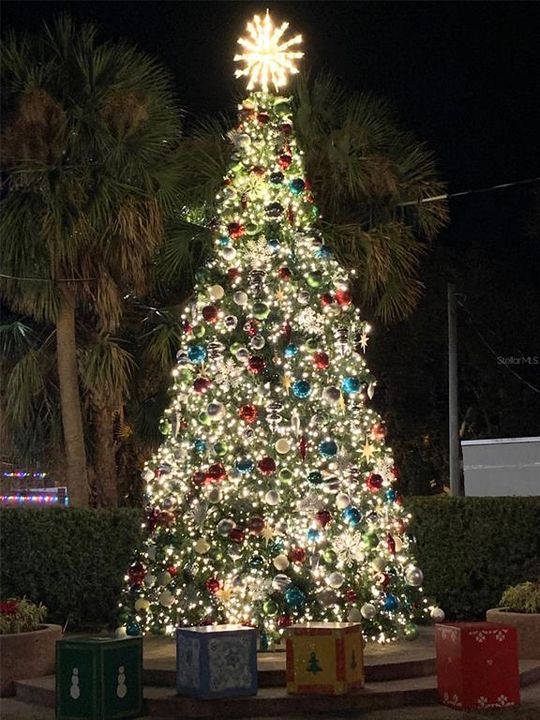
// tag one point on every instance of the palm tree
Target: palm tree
(89, 148)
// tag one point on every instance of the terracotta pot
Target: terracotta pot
(27, 655)
(527, 626)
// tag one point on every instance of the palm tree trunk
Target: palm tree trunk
(70, 401)
(105, 456)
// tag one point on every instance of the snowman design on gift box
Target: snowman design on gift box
(121, 688)
(75, 690)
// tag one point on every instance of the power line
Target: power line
(47, 280)
(447, 196)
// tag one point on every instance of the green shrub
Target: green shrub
(19, 615)
(522, 598)
(471, 549)
(72, 560)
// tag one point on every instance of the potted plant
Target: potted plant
(520, 607)
(27, 645)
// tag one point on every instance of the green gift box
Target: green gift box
(99, 678)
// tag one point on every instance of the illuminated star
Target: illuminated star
(280, 295)
(364, 337)
(267, 534)
(224, 595)
(368, 450)
(266, 56)
(286, 382)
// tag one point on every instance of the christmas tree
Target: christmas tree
(272, 499)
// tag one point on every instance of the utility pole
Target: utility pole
(453, 425)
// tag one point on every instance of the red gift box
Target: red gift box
(477, 665)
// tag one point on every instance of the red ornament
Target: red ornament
(233, 274)
(284, 620)
(237, 536)
(384, 580)
(284, 161)
(297, 555)
(256, 525)
(399, 525)
(267, 466)
(251, 328)
(395, 472)
(321, 360)
(166, 518)
(136, 573)
(327, 299)
(256, 364)
(302, 447)
(308, 185)
(201, 384)
(351, 596)
(378, 431)
(187, 327)
(235, 230)
(286, 128)
(284, 273)
(213, 585)
(263, 117)
(391, 544)
(216, 472)
(374, 482)
(343, 297)
(286, 330)
(248, 413)
(199, 477)
(172, 570)
(210, 313)
(152, 519)
(258, 170)
(323, 517)
(291, 215)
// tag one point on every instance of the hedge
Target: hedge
(74, 561)
(471, 549)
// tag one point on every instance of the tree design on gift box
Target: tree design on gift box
(313, 665)
(272, 499)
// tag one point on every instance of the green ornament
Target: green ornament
(199, 331)
(256, 562)
(285, 474)
(235, 347)
(314, 279)
(251, 229)
(204, 418)
(261, 311)
(164, 426)
(312, 344)
(185, 375)
(314, 211)
(329, 556)
(123, 616)
(315, 477)
(410, 631)
(220, 449)
(270, 607)
(372, 539)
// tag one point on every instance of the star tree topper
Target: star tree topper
(267, 57)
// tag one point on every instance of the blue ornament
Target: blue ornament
(323, 252)
(297, 186)
(315, 477)
(391, 602)
(199, 446)
(294, 598)
(352, 516)
(313, 535)
(301, 389)
(273, 244)
(133, 628)
(328, 448)
(244, 465)
(350, 385)
(290, 350)
(197, 354)
(224, 241)
(391, 495)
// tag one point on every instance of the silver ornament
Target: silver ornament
(331, 394)
(231, 321)
(327, 598)
(215, 350)
(240, 298)
(335, 580)
(215, 410)
(437, 614)
(182, 358)
(228, 253)
(281, 582)
(303, 297)
(368, 611)
(257, 342)
(224, 527)
(354, 615)
(414, 576)
(271, 497)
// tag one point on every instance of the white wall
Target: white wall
(507, 466)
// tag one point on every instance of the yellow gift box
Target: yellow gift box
(324, 658)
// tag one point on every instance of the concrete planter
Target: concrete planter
(27, 655)
(527, 626)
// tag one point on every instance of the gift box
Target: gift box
(215, 661)
(477, 665)
(324, 658)
(99, 678)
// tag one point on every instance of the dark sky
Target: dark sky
(464, 76)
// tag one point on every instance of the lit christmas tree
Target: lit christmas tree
(272, 500)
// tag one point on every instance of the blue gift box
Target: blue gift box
(216, 661)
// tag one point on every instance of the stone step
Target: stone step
(274, 701)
